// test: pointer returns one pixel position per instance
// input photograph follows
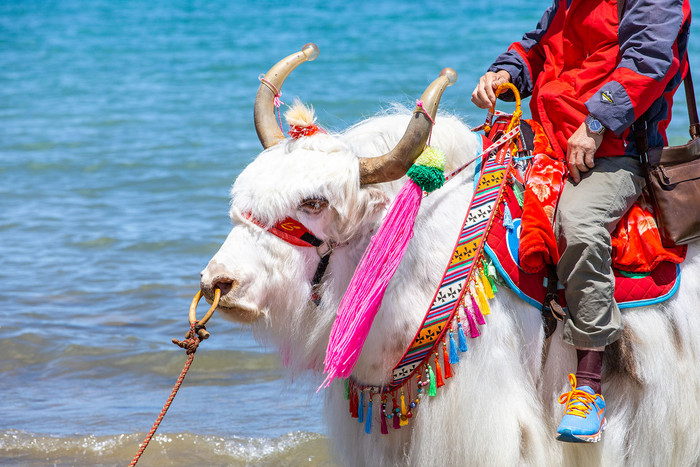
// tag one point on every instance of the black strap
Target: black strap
(620, 9)
(551, 310)
(639, 127)
(311, 239)
(318, 276)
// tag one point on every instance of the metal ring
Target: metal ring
(330, 245)
(195, 302)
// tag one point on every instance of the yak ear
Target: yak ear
(364, 210)
(377, 201)
(373, 204)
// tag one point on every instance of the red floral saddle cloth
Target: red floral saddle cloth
(631, 289)
(521, 240)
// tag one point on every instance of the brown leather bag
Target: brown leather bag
(673, 179)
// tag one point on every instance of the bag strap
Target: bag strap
(692, 107)
(620, 9)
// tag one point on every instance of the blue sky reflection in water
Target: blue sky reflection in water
(122, 127)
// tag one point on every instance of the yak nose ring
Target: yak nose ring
(193, 310)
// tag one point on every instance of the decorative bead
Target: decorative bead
(420, 390)
(389, 416)
(417, 401)
(404, 417)
(409, 414)
(413, 405)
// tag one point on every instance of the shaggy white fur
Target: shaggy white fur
(500, 407)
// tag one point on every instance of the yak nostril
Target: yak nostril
(224, 284)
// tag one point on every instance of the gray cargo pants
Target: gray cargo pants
(586, 215)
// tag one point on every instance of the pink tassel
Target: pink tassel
(477, 312)
(473, 328)
(364, 295)
(396, 416)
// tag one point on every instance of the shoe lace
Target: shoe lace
(577, 402)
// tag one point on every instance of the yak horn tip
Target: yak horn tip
(450, 74)
(310, 51)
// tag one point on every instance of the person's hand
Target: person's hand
(580, 150)
(484, 96)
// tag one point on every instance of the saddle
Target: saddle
(523, 249)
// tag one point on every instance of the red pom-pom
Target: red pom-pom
(297, 132)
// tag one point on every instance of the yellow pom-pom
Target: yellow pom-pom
(432, 157)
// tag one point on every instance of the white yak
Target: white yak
(501, 406)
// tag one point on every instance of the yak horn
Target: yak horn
(266, 126)
(394, 164)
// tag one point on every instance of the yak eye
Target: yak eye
(314, 205)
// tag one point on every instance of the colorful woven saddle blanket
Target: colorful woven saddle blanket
(521, 240)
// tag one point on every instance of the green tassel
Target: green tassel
(427, 170)
(428, 178)
(347, 390)
(519, 193)
(490, 274)
(432, 389)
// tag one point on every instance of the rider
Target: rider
(593, 68)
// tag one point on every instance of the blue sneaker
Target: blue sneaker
(584, 418)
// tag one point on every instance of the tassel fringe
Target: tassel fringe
(368, 423)
(439, 382)
(490, 271)
(353, 404)
(485, 284)
(481, 297)
(404, 412)
(446, 361)
(482, 285)
(507, 217)
(361, 408)
(432, 389)
(454, 358)
(460, 335)
(478, 315)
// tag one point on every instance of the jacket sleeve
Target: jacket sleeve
(524, 60)
(649, 59)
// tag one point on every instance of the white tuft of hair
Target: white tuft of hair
(300, 114)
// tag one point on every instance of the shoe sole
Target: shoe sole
(568, 437)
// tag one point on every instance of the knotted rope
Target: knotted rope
(194, 336)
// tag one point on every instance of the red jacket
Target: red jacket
(580, 59)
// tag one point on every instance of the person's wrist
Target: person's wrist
(594, 125)
(503, 74)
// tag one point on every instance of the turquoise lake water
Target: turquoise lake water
(122, 126)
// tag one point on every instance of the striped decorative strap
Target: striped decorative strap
(458, 272)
